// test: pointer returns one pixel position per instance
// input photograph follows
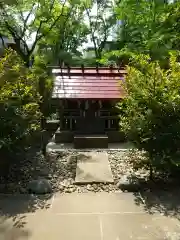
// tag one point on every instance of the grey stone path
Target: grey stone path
(101, 216)
(93, 167)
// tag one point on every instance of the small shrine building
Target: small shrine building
(86, 100)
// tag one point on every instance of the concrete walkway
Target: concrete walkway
(101, 216)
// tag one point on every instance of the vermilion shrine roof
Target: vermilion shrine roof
(88, 83)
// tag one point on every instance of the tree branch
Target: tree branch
(52, 5)
(38, 38)
(26, 20)
(102, 44)
(17, 38)
(3, 43)
(12, 31)
(92, 31)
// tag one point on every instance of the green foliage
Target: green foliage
(151, 110)
(8, 2)
(118, 57)
(19, 103)
(32, 20)
(140, 24)
(45, 84)
(56, 29)
(146, 27)
(100, 19)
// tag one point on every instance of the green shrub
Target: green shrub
(19, 104)
(151, 111)
(45, 84)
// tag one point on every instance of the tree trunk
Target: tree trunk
(27, 60)
(151, 172)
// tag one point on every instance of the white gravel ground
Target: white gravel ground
(60, 170)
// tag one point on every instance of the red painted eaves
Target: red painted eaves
(89, 84)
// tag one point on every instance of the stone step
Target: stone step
(93, 167)
(90, 141)
(63, 136)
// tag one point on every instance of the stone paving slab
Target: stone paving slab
(93, 167)
(97, 227)
(66, 227)
(96, 203)
(139, 226)
(101, 216)
(24, 203)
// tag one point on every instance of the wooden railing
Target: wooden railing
(74, 112)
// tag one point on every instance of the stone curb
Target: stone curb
(88, 150)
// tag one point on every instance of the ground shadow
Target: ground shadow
(165, 202)
(15, 201)
(13, 213)
(10, 231)
(33, 165)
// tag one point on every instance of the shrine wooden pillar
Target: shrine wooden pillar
(100, 107)
(80, 107)
(61, 114)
